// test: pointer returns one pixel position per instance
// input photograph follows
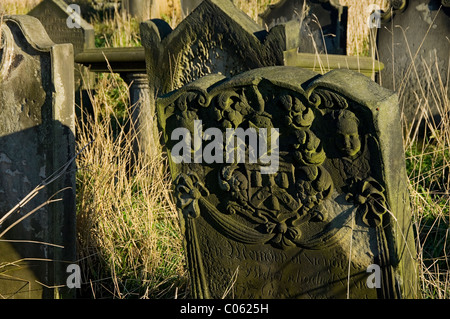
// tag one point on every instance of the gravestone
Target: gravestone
(414, 47)
(36, 141)
(64, 25)
(215, 37)
(142, 9)
(323, 23)
(290, 185)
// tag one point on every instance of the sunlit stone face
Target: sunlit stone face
(347, 136)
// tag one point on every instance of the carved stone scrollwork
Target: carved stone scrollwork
(326, 190)
(274, 208)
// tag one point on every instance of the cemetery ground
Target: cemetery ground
(129, 242)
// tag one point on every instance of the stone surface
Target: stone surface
(216, 37)
(323, 23)
(142, 9)
(310, 221)
(322, 63)
(53, 15)
(187, 6)
(414, 47)
(36, 140)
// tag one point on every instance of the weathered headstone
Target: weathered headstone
(291, 185)
(415, 49)
(63, 25)
(36, 140)
(215, 37)
(323, 23)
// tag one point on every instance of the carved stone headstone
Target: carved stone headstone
(64, 25)
(216, 37)
(291, 185)
(415, 49)
(323, 23)
(36, 140)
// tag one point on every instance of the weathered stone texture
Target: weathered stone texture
(36, 140)
(414, 47)
(336, 203)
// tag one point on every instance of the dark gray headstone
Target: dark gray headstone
(323, 23)
(64, 25)
(36, 140)
(329, 205)
(415, 49)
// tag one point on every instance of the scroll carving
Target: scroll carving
(277, 208)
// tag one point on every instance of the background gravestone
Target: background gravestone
(323, 23)
(414, 48)
(215, 37)
(36, 139)
(142, 9)
(312, 227)
(53, 15)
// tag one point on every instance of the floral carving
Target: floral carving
(327, 99)
(287, 234)
(308, 149)
(369, 195)
(313, 187)
(189, 190)
(298, 115)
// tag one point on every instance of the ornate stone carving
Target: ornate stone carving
(328, 176)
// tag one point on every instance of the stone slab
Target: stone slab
(311, 222)
(37, 138)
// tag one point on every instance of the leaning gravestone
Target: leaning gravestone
(215, 37)
(291, 185)
(323, 23)
(64, 25)
(36, 139)
(414, 47)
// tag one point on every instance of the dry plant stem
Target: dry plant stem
(36, 191)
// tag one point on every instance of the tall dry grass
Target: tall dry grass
(427, 147)
(128, 233)
(17, 6)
